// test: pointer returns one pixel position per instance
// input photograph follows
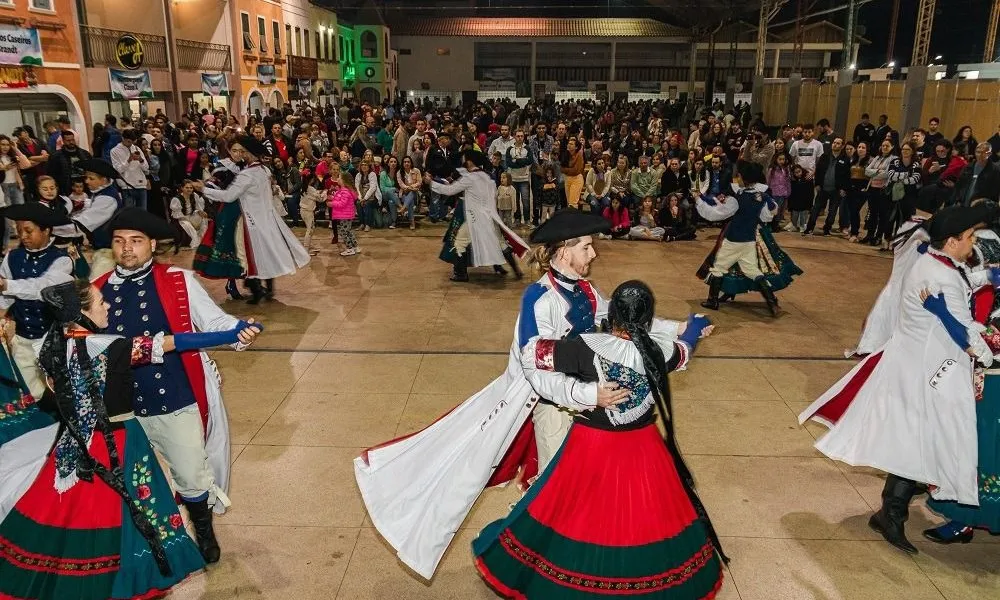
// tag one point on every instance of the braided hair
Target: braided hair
(631, 309)
(65, 301)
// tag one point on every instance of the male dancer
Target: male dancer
(418, 489)
(909, 409)
(473, 228)
(178, 402)
(106, 200)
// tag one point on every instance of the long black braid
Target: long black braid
(54, 361)
(631, 309)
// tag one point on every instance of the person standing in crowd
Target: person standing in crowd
(572, 172)
(37, 156)
(833, 180)
(275, 251)
(806, 152)
(858, 194)
(518, 161)
(979, 179)
(128, 159)
(187, 209)
(106, 200)
(879, 200)
(864, 132)
(62, 162)
(964, 136)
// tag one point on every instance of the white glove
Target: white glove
(982, 352)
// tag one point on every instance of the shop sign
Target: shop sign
(128, 52)
(265, 74)
(129, 85)
(17, 77)
(20, 46)
(214, 84)
(301, 67)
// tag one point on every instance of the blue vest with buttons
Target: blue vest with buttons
(136, 310)
(580, 314)
(31, 318)
(743, 227)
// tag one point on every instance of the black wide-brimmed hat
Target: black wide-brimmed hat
(953, 220)
(567, 224)
(36, 212)
(137, 219)
(475, 157)
(97, 165)
(253, 146)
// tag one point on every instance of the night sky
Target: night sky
(959, 32)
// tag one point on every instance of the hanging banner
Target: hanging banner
(329, 87)
(17, 77)
(265, 74)
(130, 85)
(305, 88)
(648, 87)
(20, 46)
(214, 84)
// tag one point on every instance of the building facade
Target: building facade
(40, 66)
(534, 57)
(262, 58)
(141, 57)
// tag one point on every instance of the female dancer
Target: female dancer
(217, 256)
(99, 519)
(649, 534)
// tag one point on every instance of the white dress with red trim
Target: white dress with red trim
(882, 318)
(909, 407)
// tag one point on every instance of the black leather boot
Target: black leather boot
(201, 518)
(714, 288)
(256, 291)
(269, 289)
(461, 268)
(509, 255)
(765, 290)
(890, 520)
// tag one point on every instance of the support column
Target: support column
(534, 75)
(693, 68)
(614, 58)
(171, 44)
(913, 96)
(794, 93)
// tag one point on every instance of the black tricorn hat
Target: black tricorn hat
(137, 219)
(253, 146)
(567, 224)
(36, 212)
(99, 166)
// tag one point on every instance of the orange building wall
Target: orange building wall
(247, 69)
(58, 46)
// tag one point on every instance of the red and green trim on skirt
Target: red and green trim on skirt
(643, 537)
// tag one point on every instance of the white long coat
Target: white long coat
(884, 314)
(276, 250)
(481, 216)
(914, 416)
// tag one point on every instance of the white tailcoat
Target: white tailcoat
(481, 216)
(276, 250)
(418, 490)
(915, 416)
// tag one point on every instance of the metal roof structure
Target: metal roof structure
(527, 27)
(678, 13)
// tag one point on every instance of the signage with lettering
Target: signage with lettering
(649, 87)
(129, 85)
(577, 86)
(128, 52)
(20, 46)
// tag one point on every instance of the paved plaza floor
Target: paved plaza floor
(360, 350)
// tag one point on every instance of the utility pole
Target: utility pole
(922, 37)
(799, 39)
(768, 10)
(989, 54)
(891, 49)
(845, 77)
